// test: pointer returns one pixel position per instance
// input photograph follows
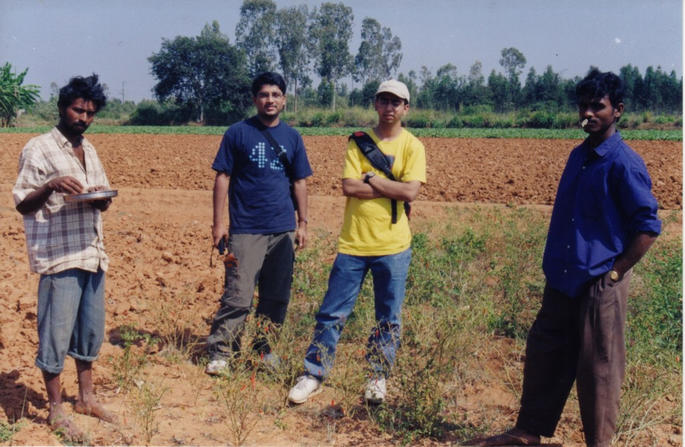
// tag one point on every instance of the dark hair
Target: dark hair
(597, 84)
(79, 87)
(268, 78)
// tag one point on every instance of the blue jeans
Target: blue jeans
(389, 277)
(71, 317)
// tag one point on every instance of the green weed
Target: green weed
(147, 398)
(129, 365)
(8, 430)
(656, 303)
(242, 403)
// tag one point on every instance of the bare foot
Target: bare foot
(94, 409)
(66, 429)
(510, 438)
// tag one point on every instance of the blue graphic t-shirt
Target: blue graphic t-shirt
(259, 190)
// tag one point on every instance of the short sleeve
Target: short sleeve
(301, 166)
(32, 174)
(353, 161)
(415, 166)
(223, 162)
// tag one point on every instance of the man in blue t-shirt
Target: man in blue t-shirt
(266, 186)
(603, 221)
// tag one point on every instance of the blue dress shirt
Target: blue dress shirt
(604, 200)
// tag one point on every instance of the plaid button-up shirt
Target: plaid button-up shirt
(61, 235)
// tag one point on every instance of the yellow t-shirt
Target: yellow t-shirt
(367, 228)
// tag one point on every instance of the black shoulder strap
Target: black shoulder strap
(283, 157)
(372, 153)
(379, 161)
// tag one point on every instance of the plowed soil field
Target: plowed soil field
(158, 238)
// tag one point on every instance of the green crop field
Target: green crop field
(651, 134)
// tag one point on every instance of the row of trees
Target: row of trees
(656, 91)
(210, 77)
(207, 79)
(209, 73)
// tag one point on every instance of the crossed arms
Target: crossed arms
(381, 187)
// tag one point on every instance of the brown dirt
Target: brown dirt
(157, 235)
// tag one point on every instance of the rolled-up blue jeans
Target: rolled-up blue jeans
(71, 317)
(389, 274)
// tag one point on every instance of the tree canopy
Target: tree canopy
(208, 78)
(205, 73)
(331, 30)
(13, 95)
(379, 55)
(294, 49)
(255, 35)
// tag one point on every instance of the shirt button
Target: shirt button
(583, 167)
(573, 219)
(568, 246)
(565, 271)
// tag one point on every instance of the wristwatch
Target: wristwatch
(613, 275)
(368, 176)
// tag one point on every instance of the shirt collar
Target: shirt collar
(607, 145)
(60, 138)
(64, 143)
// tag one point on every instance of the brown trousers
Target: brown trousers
(582, 339)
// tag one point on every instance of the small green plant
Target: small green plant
(147, 398)
(432, 348)
(8, 430)
(128, 366)
(348, 377)
(176, 338)
(242, 403)
(517, 246)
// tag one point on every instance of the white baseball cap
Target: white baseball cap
(395, 87)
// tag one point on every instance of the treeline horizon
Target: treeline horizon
(544, 101)
(206, 79)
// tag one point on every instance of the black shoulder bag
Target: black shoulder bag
(283, 157)
(379, 161)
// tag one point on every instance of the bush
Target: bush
(46, 111)
(333, 118)
(152, 113)
(455, 123)
(541, 120)
(474, 121)
(419, 119)
(117, 110)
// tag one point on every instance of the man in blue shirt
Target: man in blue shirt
(604, 220)
(256, 177)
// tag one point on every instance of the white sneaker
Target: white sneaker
(375, 391)
(305, 387)
(215, 367)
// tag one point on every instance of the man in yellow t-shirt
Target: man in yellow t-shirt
(369, 240)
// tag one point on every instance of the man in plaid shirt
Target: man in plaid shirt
(65, 246)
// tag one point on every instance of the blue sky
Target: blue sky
(56, 39)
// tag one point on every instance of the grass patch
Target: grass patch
(475, 280)
(473, 290)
